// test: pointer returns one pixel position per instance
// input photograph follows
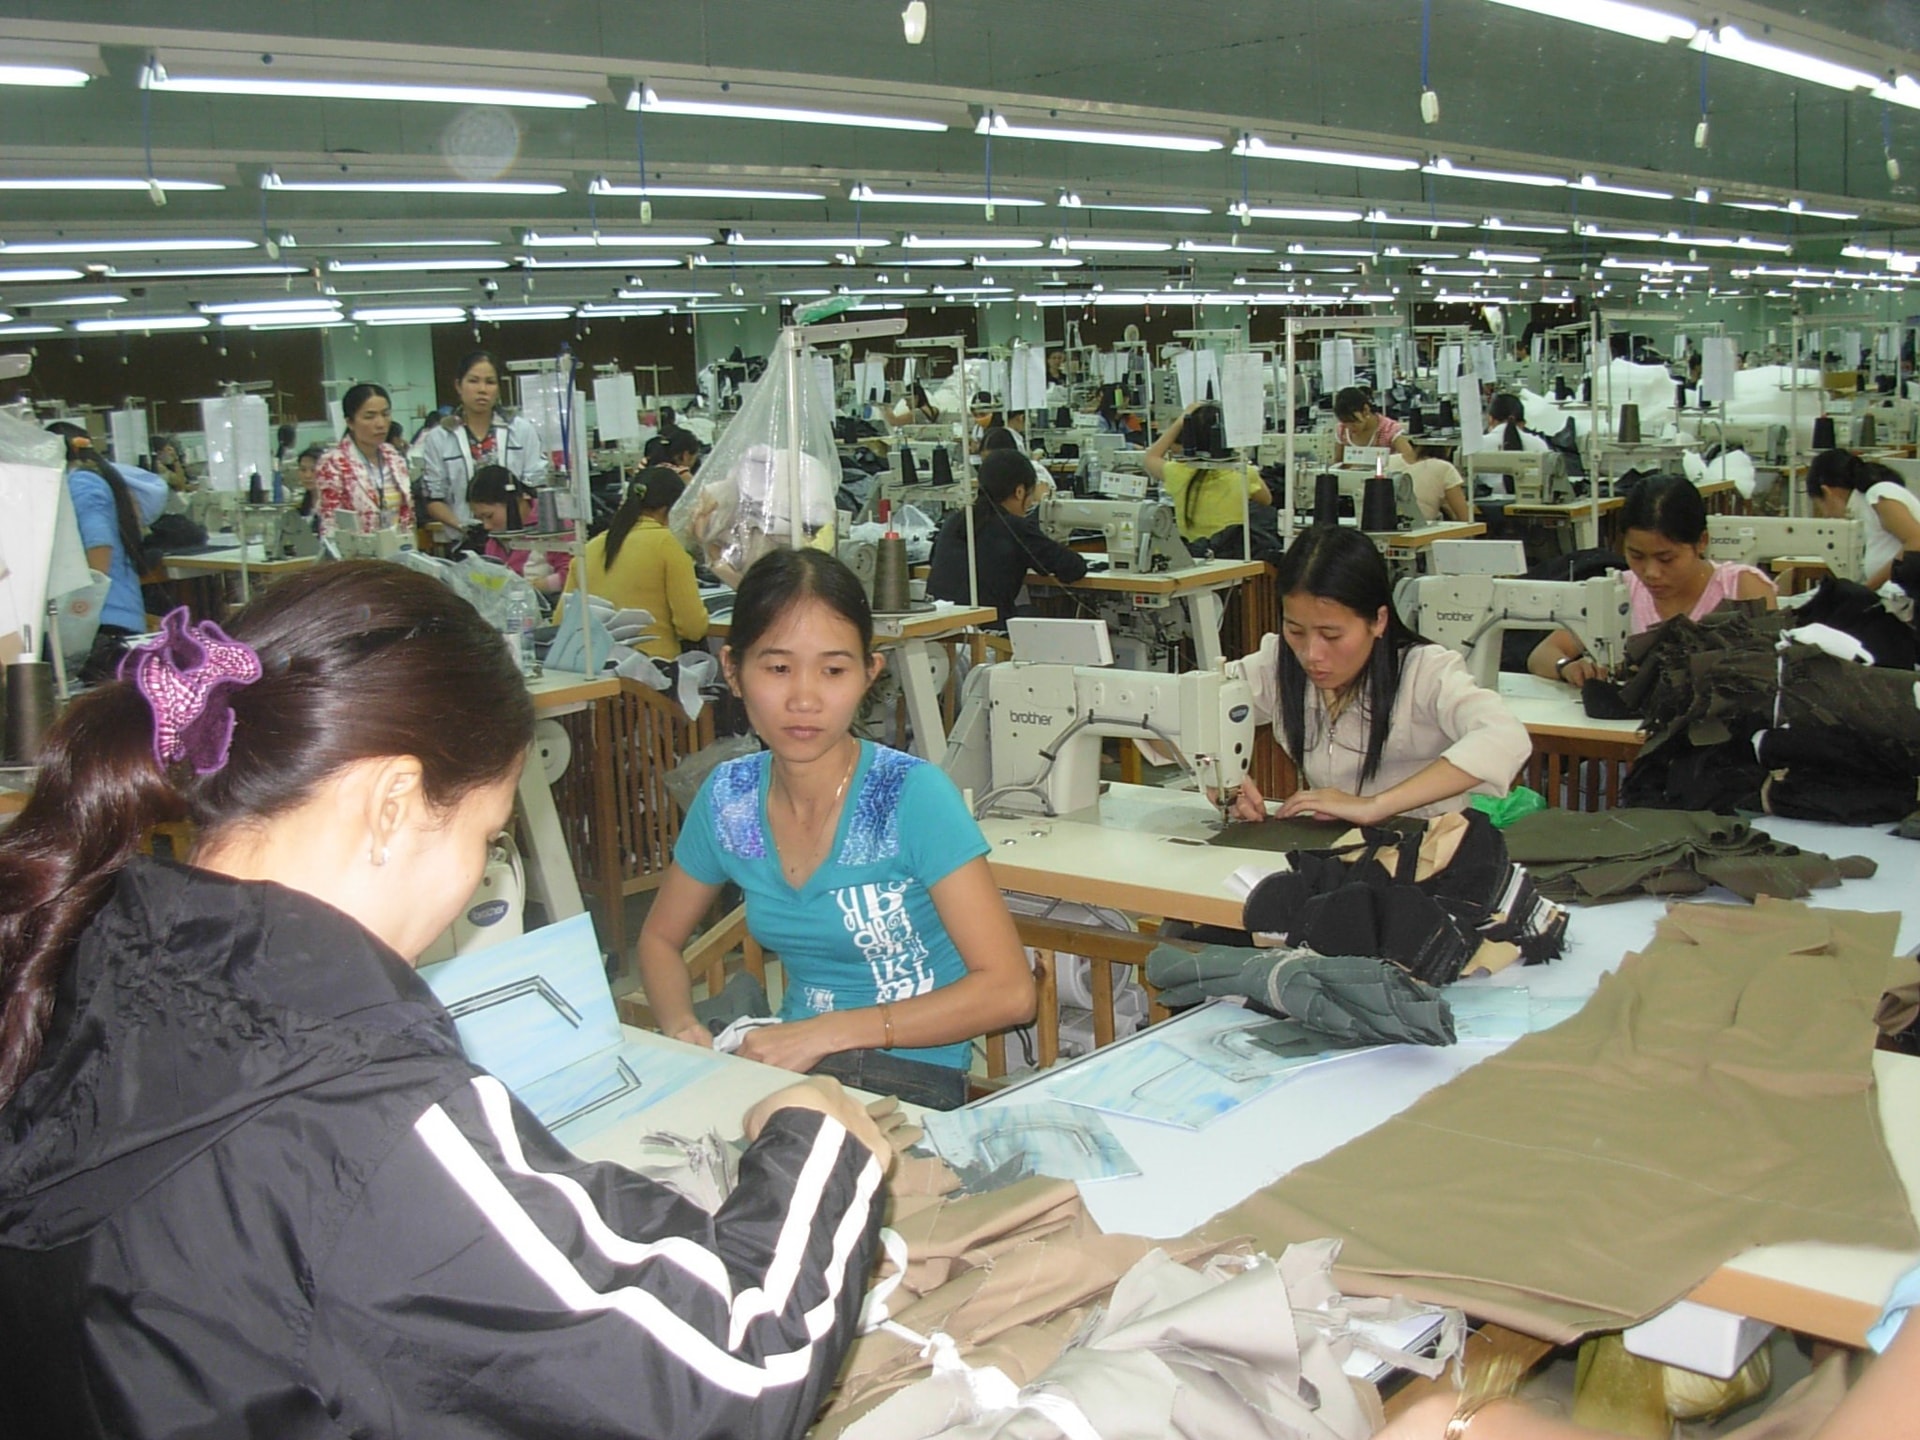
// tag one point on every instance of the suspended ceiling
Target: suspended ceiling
(1519, 92)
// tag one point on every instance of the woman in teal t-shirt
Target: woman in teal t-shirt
(861, 867)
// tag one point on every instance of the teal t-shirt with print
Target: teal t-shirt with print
(863, 929)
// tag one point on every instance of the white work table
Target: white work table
(1198, 587)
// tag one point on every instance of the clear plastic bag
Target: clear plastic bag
(771, 479)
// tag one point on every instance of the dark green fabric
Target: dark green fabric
(1281, 836)
(1611, 854)
(1346, 1000)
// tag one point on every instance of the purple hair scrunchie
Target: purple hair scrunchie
(187, 677)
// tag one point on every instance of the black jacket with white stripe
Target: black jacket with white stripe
(254, 1189)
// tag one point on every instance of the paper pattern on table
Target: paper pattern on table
(1045, 1138)
(536, 1013)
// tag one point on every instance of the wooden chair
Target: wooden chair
(1103, 949)
(706, 964)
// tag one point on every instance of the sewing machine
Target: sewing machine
(1141, 534)
(382, 544)
(1536, 477)
(280, 531)
(1310, 448)
(213, 510)
(1353, 486)
(1028, 737)
(1765, 442)
(1840, 545)
(1469, 613)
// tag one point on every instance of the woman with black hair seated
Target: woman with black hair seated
(1207, 498)
(1007, 542)
(639, 564)
(1363, 427)
(502, 505)
(1378, 721)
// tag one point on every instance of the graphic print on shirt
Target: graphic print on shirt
(883, 931)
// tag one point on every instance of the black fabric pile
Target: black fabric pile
(1592, 857)
(1844, 746)
(1365, 901)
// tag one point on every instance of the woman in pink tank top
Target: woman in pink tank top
(1668, 573)
(1363, 426)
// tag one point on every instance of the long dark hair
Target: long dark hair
(655, 488)
(1348, 403)
(1669, 506)
(1844, 470)
(360, 660)
(81, 454)
(1002, 473)
(1507, 411)
(1331, 562)
(781, 579)
(497, 485)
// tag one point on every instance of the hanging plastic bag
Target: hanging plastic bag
(771, 478)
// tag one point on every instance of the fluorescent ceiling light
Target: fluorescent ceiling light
(1903, 91)
(1588, 183)
(1016, 262)
(1792, 207)
(1632, 20)
(283, 305)
(1289, 212)
(494, 314)
(101, 184)
(83, 300)
(1111, 247)
(1396, 253)
(254, 319)
(715, 262)
(1600, 232)
(1254, 146)
(203, 272)
(1727, 242)
(410, 290)
(668, 294)
(1729, 44)
(1380, 217)
(616, 311)
(287, 242)
(153, 77)
(998, 125)
(1503, 257)
(21, 332)
(140, 326)
(806, 242)
(311, 322)
(61, 77)
(1333, 252)
(1201, 247)
(631, 262)
(867, 195)
(401, 314)
(968, 242)
(119, 247)
(1444, 166)
(394, 267)
(603, 186)
(29, 277)
(646, 98)
(594, 239)
(271, 181)
(1074, 202)
(1494, 222)
(1664, 266)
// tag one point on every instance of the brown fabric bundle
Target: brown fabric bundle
(1715, 1094)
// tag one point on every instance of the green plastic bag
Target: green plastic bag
(1516, 804)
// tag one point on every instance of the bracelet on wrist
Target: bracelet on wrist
(1464, 1413)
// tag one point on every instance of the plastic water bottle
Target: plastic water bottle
(522, 616)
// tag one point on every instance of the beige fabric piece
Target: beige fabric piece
(1715, 1094)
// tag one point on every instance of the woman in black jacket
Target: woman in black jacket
(249, 1184)
(1007, 541)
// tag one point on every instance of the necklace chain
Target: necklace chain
(820, 830)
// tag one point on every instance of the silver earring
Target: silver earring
(379, 857)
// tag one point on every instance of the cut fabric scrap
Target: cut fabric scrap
(1594, 856)
(1715, 1094)
(1346, 1000)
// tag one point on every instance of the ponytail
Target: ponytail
(98, 793)
(80, 452)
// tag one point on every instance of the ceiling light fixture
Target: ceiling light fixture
(862, 194)
(997, 125)
(1074, 202)
(283, 305)
(1443, 166)
(710, 262)
(648, 99)
(1494, 222)
(1792, 207)
(1420, 222)
(499, 188)
(1070, 246)
(969, 242)
(806, 242)
(496, 314)
(287, 242)
(1292, 212)
(60, 77)
(156, 77)
(1589, 183)
(101, 184)
(1017, 262)
(663, 295)
(596, 240)
(604, 186)
(29, 277)
(141, 326)
(1256, 148)
(118, 247)
(78, 300)
(405, 314)
(630, 262)
(22, 332)
(202, 272)
(1635, 21)
(1728, 43)
(396, 267)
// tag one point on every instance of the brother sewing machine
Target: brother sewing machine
(213, 510)
(1469, 613)
(280, 531)
(1141, 534)
(1028, 736)
(1840, 545)
(1537, 477)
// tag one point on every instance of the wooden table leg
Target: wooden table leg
(605, 840)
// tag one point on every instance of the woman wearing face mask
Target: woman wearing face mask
(250, 1184)
(1377, 721)
(364, 476)
(861, 866)
(476, 434)
(1664, 523)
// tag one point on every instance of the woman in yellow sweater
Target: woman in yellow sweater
(639, 564)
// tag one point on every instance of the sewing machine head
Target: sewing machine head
(1311, 448)
(1028, 736)
(213, 510)
(1537, 477)
(1470, 613)
(380, 544)
(1141, 534)
(1840, 545)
